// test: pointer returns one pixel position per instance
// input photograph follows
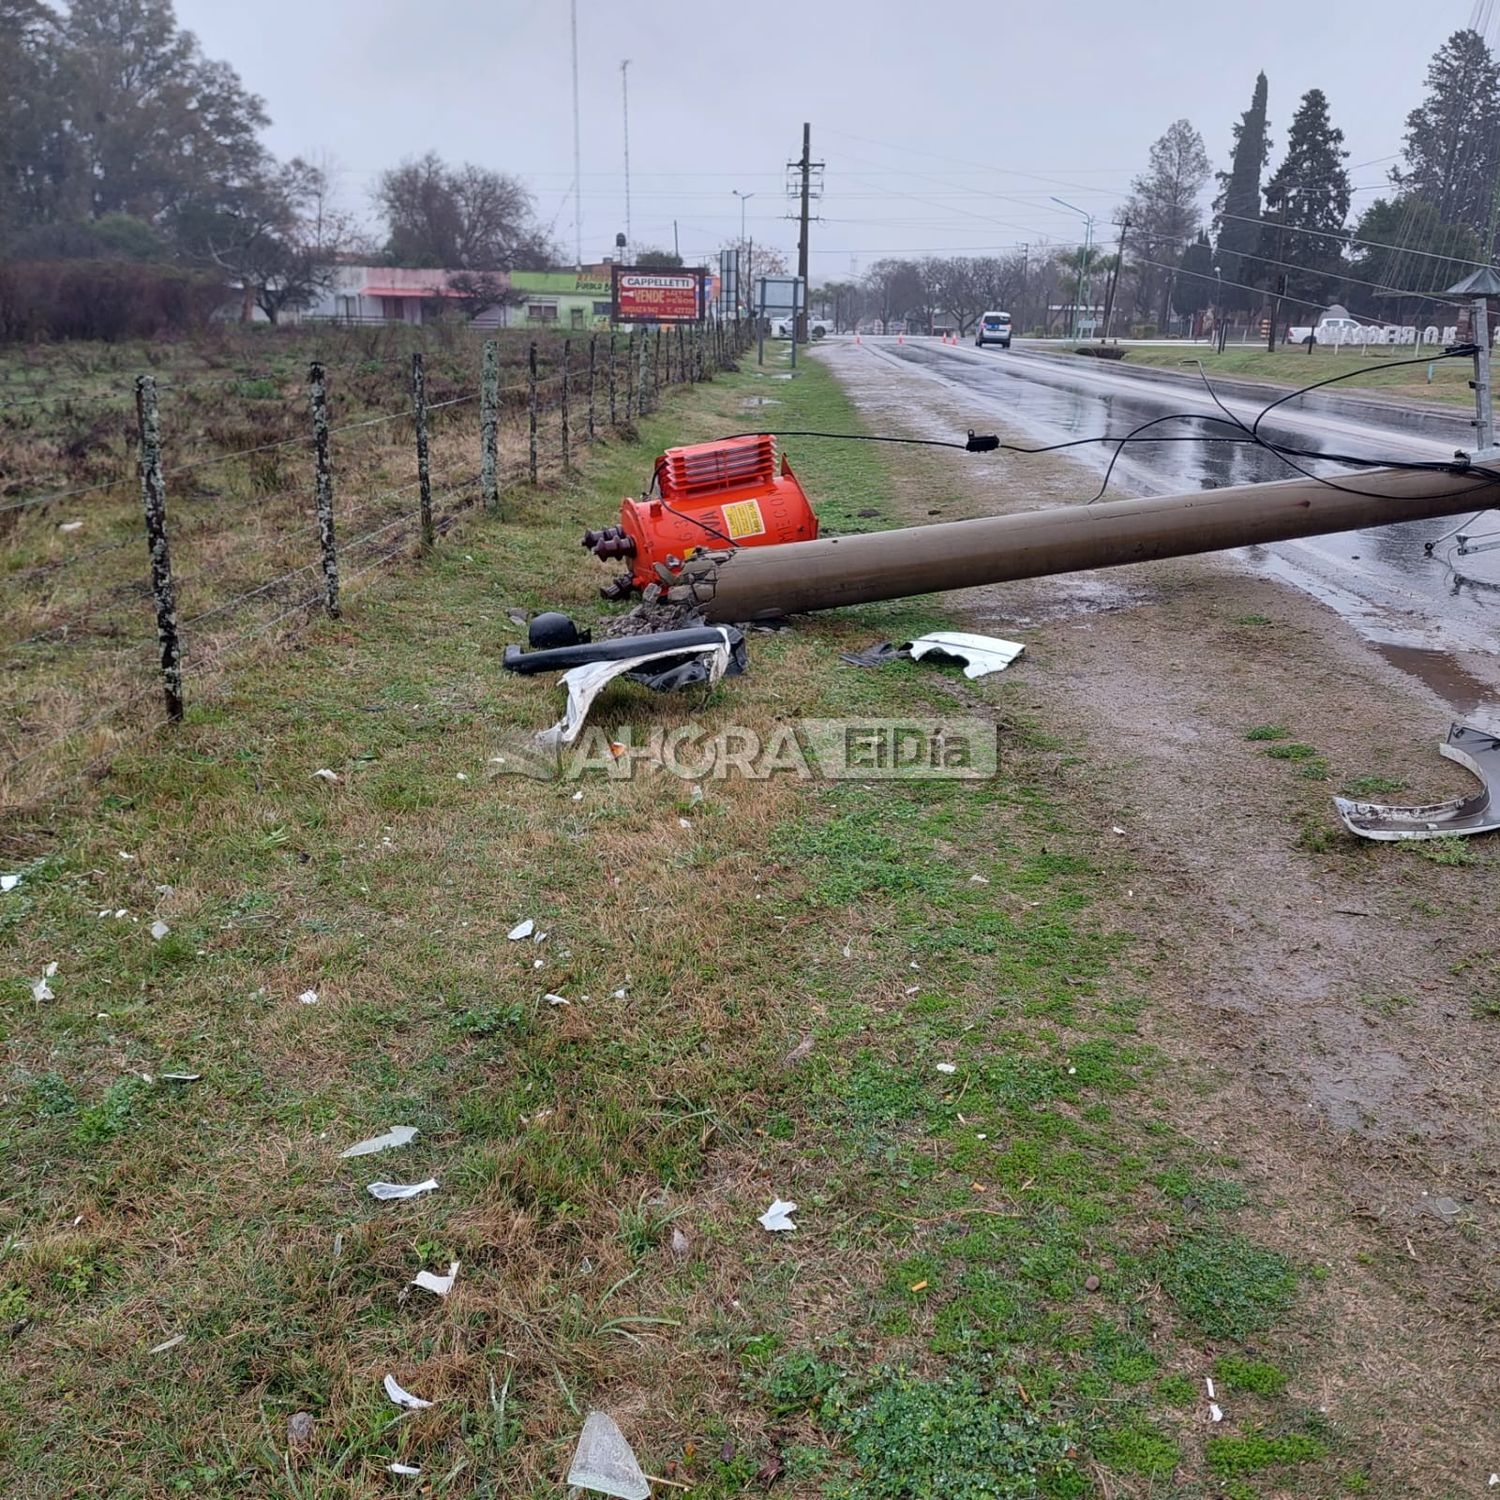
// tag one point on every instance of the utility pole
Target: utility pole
(804, 167)
(577, 150)
(1086, 286)
(625, 105)
(1083, 266)
(1484, 420)
(1280, 283)
(1114, 281)
(754, 583)
(799, 328)
(1025, 280)
(1481, 286)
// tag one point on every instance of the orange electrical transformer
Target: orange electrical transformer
(714, 495)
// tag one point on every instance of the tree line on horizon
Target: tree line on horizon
(122, 146)
(1265, 240)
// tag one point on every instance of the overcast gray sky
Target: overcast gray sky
(945, 126)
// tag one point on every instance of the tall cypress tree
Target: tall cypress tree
(1193, 287)
(1238, 204)
(1453, 137)
(1308, 198)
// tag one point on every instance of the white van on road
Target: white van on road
(994, 328)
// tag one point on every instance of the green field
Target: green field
(1009, 1276)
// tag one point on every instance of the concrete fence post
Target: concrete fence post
(531, 368)
(567, 356)
(631, 371)
(593, 358)
(317, 380)
(489, 426)
(154, 499)
(614, 420)
(419, 417)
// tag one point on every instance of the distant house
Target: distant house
(387, 294)
(402, 294)
(562, 299)
(570, 300)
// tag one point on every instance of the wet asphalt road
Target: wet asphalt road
(1420, 611)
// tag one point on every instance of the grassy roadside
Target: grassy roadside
(1293, 368)
(1008, 1279)
(76, 637)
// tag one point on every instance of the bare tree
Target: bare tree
(900, 290)
(755, 261)
(278, 235)
(970, 286)
(470, 293)
(464, 218)
(957, 291)
(1165, 213)
(312, 234)
(843, 301)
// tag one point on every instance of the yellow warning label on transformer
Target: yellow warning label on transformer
(743, 518)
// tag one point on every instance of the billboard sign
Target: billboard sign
(780, 295)
(648, 294)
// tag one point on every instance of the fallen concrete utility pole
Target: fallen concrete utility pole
(760, 583)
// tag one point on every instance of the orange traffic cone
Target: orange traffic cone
(900, 338)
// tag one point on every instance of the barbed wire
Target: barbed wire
(91, 723)
(459, 493)
(192, 465)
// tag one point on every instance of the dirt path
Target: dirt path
(1334, 1004)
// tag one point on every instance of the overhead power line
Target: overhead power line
(1349, 239)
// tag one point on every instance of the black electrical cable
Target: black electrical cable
(1247, 435)
(682, 515)
(1460, 464)
(859, 437)
(1454, 351)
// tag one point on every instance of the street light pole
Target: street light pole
(1083, 269)
(1114, 281)
(625, 116)
(744, 199)
(746, 273)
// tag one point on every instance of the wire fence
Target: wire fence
(250, 542)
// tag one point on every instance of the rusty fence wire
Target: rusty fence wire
(228, 522)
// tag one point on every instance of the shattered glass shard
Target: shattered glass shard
(604, 1462)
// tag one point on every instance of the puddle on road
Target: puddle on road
(1037, 400)
(1417, 610)
(1468, 696)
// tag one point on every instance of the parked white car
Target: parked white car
(817, 328)
(1335, 331)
